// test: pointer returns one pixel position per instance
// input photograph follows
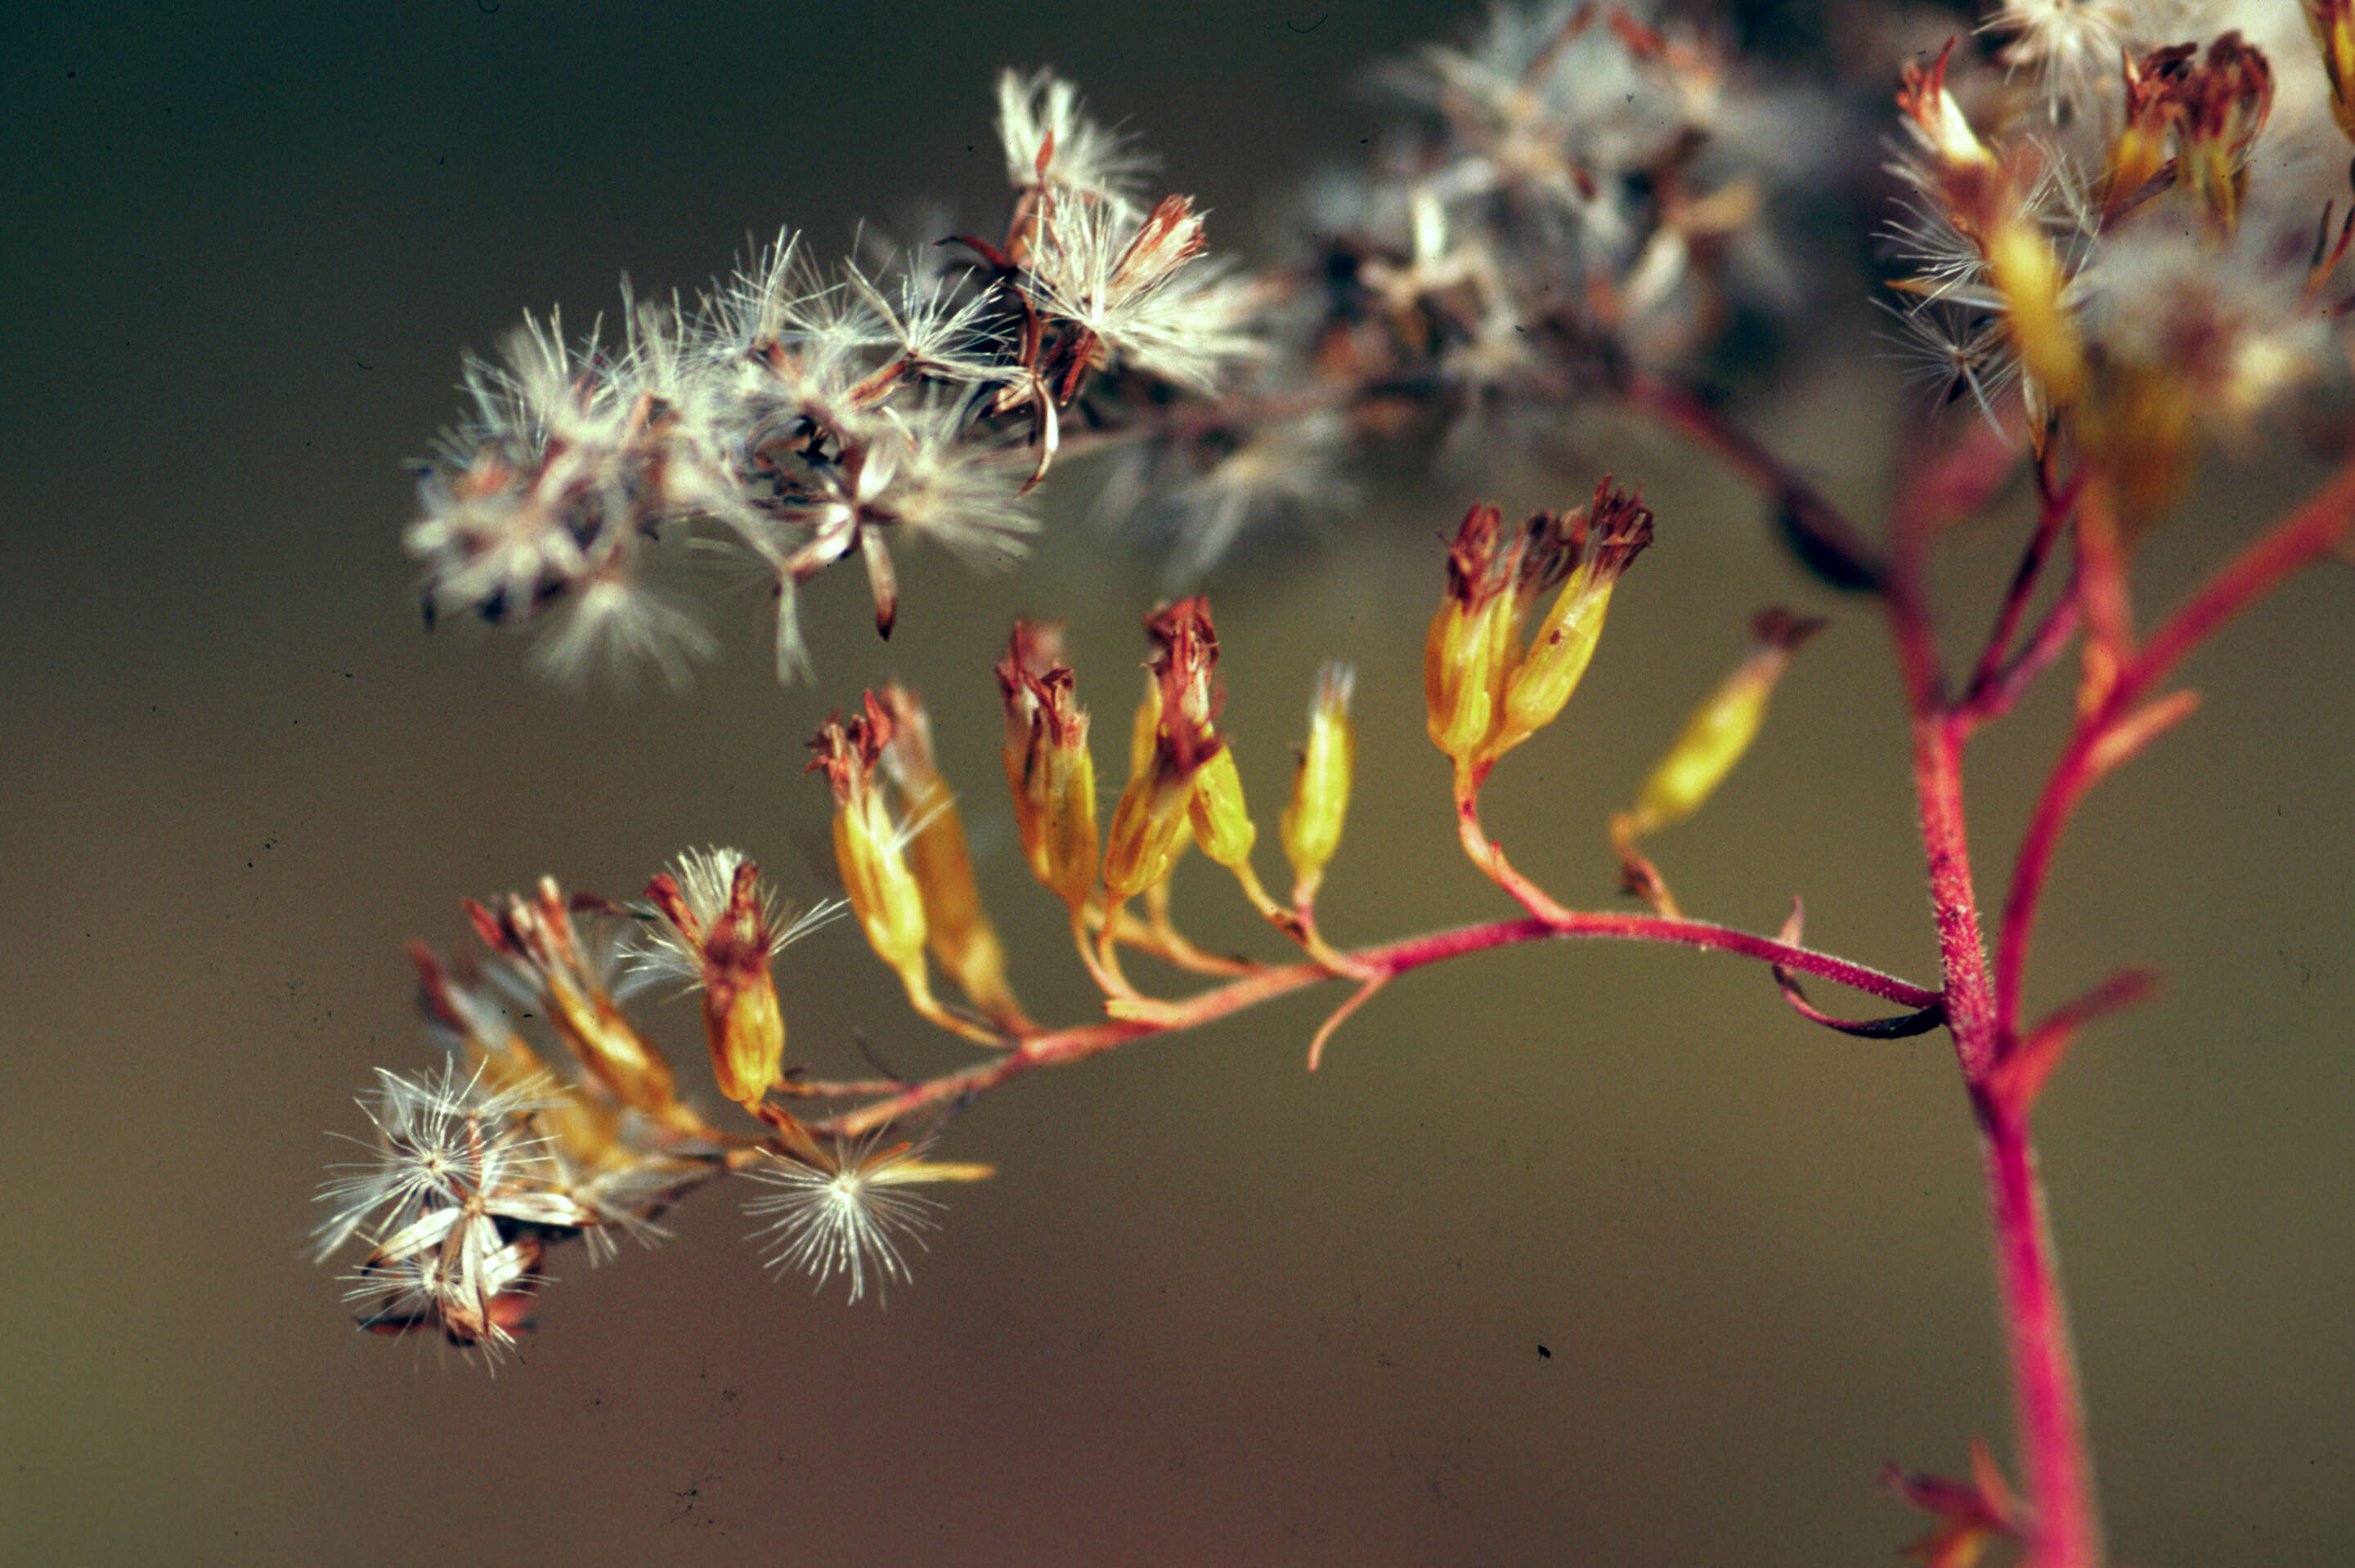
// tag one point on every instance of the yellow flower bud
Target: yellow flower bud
(1049, 768)
(2023, 268)
(1469, 649)
(960, 933)
(1156, 816)
(1221, 823)
(1311, 826)
(1149, 831)
(1486, 692)
(868, 847)
(729, 943)
(881, 890)
(1599, 546)
(1721, 728)
(1067, 833)
(745, 1030)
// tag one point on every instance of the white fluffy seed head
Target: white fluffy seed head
(442, 1141)
(846, 1213)
(1042, 112)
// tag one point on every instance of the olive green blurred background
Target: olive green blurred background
(1585, 1256)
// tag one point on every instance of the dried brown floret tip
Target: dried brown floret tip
(1185, 668)
(847, 750)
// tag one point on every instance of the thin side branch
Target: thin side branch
(1373, 967)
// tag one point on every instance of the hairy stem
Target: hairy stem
(2066, 1530)
(2047, 1410)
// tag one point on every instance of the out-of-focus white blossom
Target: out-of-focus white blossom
(1138, 288)
(2139, 256)
(1050, 142)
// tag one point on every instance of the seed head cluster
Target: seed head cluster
(1576, 191)
(2142, 254)
(552, 1117)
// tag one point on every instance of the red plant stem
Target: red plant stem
(1954, 904)
(2065, 1529)
(1379, 963)
(1559, 921)
(2044, 645)
(1937, 744)
(2053, 509)
(2071, 776)
(1982, 1009)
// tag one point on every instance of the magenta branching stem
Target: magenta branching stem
(2064, 1528)
(1983, 1008)
(2001, 675)
(1981, 1003)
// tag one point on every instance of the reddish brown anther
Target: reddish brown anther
(492, 928)
(663, 894)
(1034, 665)
(1549, 550)
(1170, 236)
(1620, 526)
(2153, 83)
(1476, 557)
(847, 750)
(737, 938)
(2228, 99)
(1185, 666)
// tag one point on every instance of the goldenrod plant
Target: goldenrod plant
(2119, 246)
